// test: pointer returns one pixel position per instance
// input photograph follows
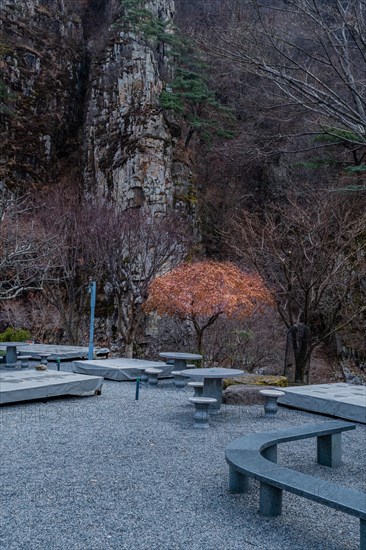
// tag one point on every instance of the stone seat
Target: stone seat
(179, 380)
(152, 375)
(270, 404)
(44, 358)
(198, 388)
(24, 361)
(201, 414)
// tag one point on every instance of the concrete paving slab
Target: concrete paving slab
(340, 400)
(32, 384)
(120, 368)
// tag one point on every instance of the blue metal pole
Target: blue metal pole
(93, 292)
(137, 389)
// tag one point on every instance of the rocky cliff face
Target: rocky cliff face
(42, 59)
(83, 103)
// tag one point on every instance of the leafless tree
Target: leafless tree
(74, 262)
(304, 47)
(135, 248)
(311, 251)
(311, 53)
(24, 247)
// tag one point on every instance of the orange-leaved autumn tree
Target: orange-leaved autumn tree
(200, 292)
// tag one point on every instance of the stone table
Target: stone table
(180, 358)
(212, 382)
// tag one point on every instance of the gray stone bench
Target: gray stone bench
(201, 414)
(152, 375)
(255, 456)
(179, 380)
(44, 358)
(270, 404)
(24, 361)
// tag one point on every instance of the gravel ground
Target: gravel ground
(109, 472)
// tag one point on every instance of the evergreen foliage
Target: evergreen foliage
(188, 93)
(12, 334)
(339, 135)
(137, 19)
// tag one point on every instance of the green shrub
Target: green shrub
(12, 334)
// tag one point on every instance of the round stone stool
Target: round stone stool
(198, 388)
(201, 415)
(24, 361)
(179, 380)
(44, 358)
(144, 377)
(152, 376)
(270, 404)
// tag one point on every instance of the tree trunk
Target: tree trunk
(199, 334)
(129, 350)
(298, 353)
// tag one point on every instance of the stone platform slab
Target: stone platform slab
(54, 351)
(340, 400)
(32, 384)
(120, 368)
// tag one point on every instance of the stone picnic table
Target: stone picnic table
(212, 382)
(180, 358)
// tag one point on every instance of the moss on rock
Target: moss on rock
(257, 380)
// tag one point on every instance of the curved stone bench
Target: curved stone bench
(255, 456)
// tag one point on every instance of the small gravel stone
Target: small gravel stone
(109, 472)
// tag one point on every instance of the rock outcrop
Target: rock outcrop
(243, 395)
(257, 380)
(129, 149)
(42, 58)
(81, 104)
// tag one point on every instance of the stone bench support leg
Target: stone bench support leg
(362, 534)
(270, 500)
(238, 483)
(329, 450)
(270, 453)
